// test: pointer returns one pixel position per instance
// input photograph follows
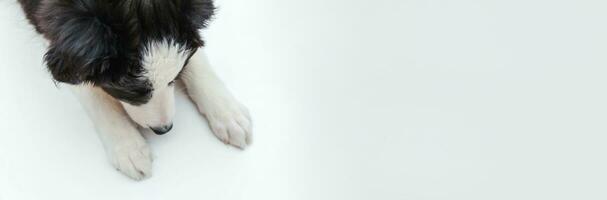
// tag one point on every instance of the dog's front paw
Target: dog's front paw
(132, 159)
(230, 121)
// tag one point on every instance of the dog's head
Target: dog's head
(132, 49)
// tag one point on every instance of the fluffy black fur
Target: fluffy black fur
(101, 42)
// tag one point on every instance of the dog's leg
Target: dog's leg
(229, 120)
(124, 145)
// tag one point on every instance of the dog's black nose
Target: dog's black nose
(162, 130)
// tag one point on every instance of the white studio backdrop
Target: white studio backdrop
(351, 99)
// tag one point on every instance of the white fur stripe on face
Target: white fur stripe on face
(163, 60)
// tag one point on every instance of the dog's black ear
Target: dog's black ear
(199, 12)
(81, 44)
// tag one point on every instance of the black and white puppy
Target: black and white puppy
(122, 58)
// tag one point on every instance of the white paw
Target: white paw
(231, 123)
(132, 159)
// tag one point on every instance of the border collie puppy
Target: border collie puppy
(122, 58)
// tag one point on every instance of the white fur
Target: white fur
(124, 145)
(162, 61)
(126, 148)
(229, 120)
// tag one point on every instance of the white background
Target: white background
(351, 99)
